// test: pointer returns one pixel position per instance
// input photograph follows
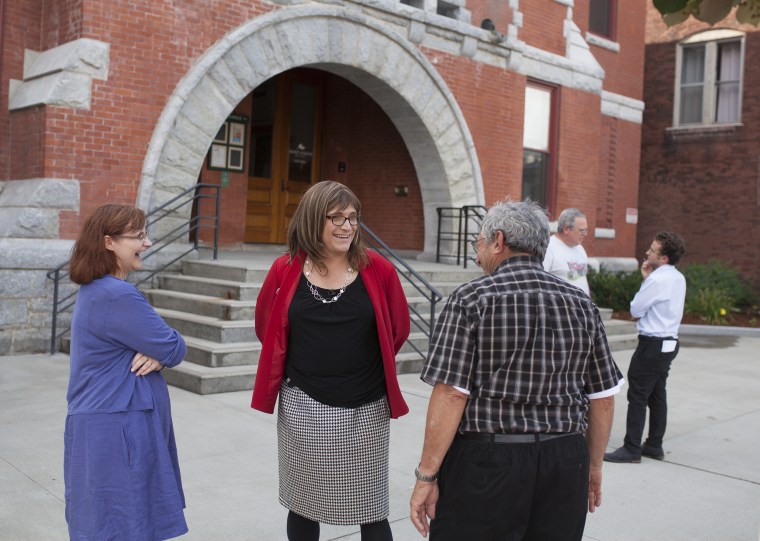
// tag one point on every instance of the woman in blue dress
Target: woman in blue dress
(120, 460)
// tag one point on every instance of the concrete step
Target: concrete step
(212, 287)
(202, 305)
(207, 380)
(215, 354)
(445, 288)
(226, 270)
(619, 342)
(209, 328)
(618, 326)
(416, 339)
(456, 274)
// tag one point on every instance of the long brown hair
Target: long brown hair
(305, 230)
(90, 259)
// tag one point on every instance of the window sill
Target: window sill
(604, 43)
(702, 131)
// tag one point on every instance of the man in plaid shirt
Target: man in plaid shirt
(523, 396)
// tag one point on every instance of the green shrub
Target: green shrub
(713, 290)
(710, 303)
(614, 289)
(717, 276)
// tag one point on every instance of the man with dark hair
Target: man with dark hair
(523, 396)
(659, 307)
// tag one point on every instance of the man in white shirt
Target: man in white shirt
(659, 307)
(565, 257)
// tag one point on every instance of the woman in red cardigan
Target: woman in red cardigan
(331, 316)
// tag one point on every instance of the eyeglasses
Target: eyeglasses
(141, 237)
(476, 244)
(339, 220)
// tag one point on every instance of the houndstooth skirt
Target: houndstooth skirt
(333, 461)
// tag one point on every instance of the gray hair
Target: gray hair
(567, 218)
(524, 224)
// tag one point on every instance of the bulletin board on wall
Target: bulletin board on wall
(227, 150)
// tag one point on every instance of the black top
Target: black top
(333, 349)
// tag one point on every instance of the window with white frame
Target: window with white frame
(709, 68)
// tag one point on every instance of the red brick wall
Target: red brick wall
(543, 25)
(623, 70)
(702, 185)
(105, 146)
(358, 133)
(20, 30)
(497, 10)
(492, 102)
(617, 187)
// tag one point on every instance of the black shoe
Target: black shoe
(656, 453)
(623, 455)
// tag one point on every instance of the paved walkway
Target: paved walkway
(707, 489)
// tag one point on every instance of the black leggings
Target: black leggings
(304, 529)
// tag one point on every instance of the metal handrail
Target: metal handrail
(407, 273)
(465, 229)
(472, 218)
(447, 235)
(195, 224)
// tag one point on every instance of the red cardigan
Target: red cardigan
(272, 326)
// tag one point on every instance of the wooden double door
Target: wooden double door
(285, 149)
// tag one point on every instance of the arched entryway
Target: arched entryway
(386, 67)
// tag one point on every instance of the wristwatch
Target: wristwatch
(425, 478)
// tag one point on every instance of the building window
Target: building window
(601, 18)
(539, 144)
(709, 69)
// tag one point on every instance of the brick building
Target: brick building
(700, 157)
(415, 104)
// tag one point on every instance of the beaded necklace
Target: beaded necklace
(315, 292)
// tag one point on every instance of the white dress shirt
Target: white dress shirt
(659, 303)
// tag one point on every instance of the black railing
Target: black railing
(183, 230)
(457, 228)
(426, 323)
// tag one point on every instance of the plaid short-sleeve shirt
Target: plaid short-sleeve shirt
(528, 346)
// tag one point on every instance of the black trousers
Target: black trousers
(513, 491)
(647, 376)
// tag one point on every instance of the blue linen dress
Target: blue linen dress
(121, 472)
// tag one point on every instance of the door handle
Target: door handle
(282, 184)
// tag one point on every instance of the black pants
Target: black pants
(647, 376)
(513, 491)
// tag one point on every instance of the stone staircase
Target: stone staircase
(211, 303)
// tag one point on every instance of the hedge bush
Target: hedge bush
(613, 289)
(716, 275)
(712, 290)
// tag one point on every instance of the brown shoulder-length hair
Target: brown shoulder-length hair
(90, 259)
(308, 223)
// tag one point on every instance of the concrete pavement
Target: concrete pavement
(707, 488)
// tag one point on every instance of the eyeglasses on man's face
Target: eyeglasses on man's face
(141, 236)
(339, 219)
(476, 244)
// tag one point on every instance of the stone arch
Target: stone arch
(360, 49)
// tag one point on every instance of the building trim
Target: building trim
(622, 107)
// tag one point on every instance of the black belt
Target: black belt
(648, 338)
(514, 438)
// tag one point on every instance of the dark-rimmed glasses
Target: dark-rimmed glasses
(339, 220)
(141, 237)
